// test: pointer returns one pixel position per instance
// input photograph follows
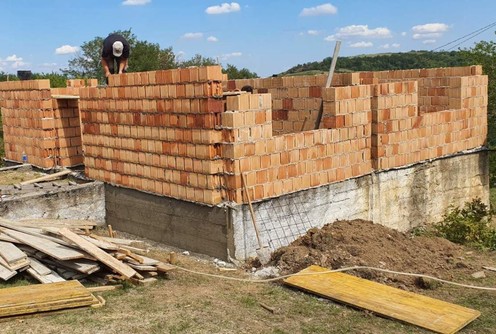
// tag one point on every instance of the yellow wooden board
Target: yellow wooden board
(23, 300)
(426, 312)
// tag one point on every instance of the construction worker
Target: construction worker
(115, 50)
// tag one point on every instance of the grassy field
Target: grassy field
(191, 303)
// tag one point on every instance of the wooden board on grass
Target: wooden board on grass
(433, 314)
(39, 298)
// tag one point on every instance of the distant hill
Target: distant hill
(384, 61)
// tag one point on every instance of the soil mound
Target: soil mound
(363, 243)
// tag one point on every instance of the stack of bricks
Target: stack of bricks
(296, 100)
(437, 87)
(396, 126)
(347, 111)
(278, 165)
(157, 132)
(41, 123)
(77, 83)
(28, 122)
(402, 135)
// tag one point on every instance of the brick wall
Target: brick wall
(175, 133)
(386, 124)
(157, 132)
(41, 122)
(296, 100)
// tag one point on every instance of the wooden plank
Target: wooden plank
(46, 246)
(15, 266)
(10, 253)
(6, 274)
(99, 254)
(39, 267)
(49, 222)
(4, 237)
(101, 243)
(47, 177)
(142, 267)
(433, 314)
(3, 169)
(104, 288)
(165, 267)
(121, 242)
(65, 97)
(45, 279)
(37, 232)
(38, 298)
(146, 261)
(81, 265)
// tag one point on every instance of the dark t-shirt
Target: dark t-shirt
(107, 46)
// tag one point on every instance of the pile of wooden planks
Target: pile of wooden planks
(57, 252)
(39, 299)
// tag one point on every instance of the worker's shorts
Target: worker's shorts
(113, 64)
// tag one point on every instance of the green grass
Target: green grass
(492, 198)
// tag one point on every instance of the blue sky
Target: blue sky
(264, 36)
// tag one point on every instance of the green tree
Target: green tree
(144, 56)
(198, 60)
(56, 79)
(7, 77)
(234, 73)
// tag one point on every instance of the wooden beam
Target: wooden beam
(46, 246)
(47, 177)
(99, 254)
(104, 288)
(328, 83)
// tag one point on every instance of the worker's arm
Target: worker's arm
(122, 65)
(105, 67)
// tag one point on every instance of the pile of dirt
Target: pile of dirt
(363, 243)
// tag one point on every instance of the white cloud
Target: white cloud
(429, 41)
(430, 28)
(312, 32)
(135, 2)
(13, 58)
(361, 31)
(429, 31)
(230, 55)
(390, 46)
(224, 8)
(324, 9)
(66, 49)
(193, 35)
(427, 36)
(403, 33)
(362, 44)
(212, 39)
(13, 62)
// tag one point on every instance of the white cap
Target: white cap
(117, 48)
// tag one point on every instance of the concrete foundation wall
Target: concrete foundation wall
(400, 199)
(84, 201)
(404, 198)
(195, 227)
